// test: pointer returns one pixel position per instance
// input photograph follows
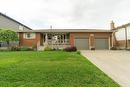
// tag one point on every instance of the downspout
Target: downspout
(126, 37)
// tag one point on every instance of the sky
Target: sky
(94, 14)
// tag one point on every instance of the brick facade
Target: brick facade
(29, 42)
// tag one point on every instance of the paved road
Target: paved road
(115, 64)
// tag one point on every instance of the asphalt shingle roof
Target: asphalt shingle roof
(68, 30)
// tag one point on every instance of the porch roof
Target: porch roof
(67, 30)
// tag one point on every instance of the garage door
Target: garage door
(101, 44)
(82, 43)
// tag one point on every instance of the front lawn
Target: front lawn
(50, 69)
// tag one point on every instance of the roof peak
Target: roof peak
(14, 20)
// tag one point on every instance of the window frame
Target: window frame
(31, 36)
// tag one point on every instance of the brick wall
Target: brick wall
(29, 42)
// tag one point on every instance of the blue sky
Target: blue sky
(40, 14)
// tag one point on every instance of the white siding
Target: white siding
(128, 32)
(120, 34)
(9, 24)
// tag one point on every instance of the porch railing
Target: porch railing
(65, 42)
(59, 44)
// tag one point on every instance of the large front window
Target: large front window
(57, 38)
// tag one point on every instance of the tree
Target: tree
(7, 36)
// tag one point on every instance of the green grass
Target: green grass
(50, 69)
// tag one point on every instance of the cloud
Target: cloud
(67, 13)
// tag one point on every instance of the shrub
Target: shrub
(48, 49)
(4, 49)
(78, 52)
(70, 49)
(14, 48)
(34, 47)
(58, 49)
(25, 49)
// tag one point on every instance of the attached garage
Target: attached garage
(82, 43)
(101, 43)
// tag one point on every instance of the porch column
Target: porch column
(46, 40)
(60, 38)
(52, 40)
(63, 36)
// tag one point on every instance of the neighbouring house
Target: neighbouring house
(7, 22)
(83, 39)
(122, 34)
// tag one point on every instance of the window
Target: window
(21, 27)
(29, 35)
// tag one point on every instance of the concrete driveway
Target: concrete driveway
(116, 64)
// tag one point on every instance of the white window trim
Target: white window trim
(32, 36)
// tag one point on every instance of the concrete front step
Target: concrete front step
(40, 48)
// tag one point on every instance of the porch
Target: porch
(54, 40)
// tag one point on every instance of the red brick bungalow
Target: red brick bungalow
(83, 39)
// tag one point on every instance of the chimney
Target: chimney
(112, 25)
